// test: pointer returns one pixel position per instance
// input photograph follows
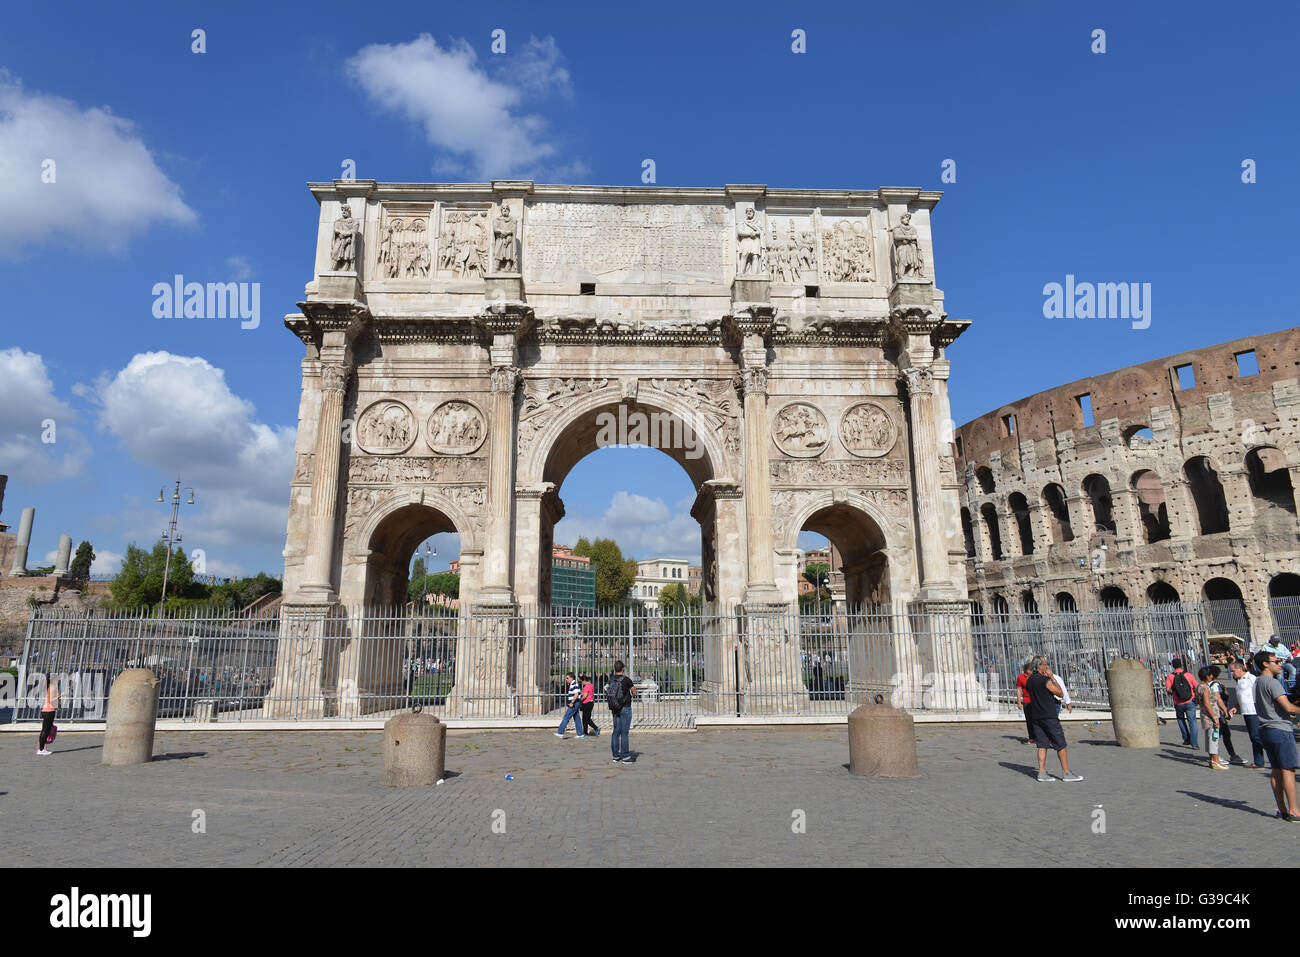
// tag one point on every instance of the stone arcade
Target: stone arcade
(463, 340)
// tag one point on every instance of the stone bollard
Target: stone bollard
(1132, 704)
(132, 712)
(882, 741)
(415, 750)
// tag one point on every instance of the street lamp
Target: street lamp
(173, 533)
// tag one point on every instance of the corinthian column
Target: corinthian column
(933, 547)
(761, 585)
(500, 497)
(318, 585)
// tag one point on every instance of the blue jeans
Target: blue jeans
(1256, 743)
(1187, 721)
(618, 741)
(573, 711)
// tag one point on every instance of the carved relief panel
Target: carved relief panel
(801, 430)
(404, 244)
(464, 242)
(867, 430)
(386, 427)
(456, 428)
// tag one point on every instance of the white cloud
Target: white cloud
(643, 527)
(466, 111)
(239, 268)
(177, 414)
(106, 188)
(106, 562)
(27, 406)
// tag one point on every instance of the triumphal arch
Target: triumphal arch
(466, 344)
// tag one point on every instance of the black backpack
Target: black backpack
(616, 694)
(1182, 687)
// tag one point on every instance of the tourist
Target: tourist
(1063, 700)
(1210, 717)
(1043, 692)
(1245, 682)
(1274, 646)
(588, 702)
(1225, 714)
(48, 710)
(573, 709)
(1277, 733)
(1182, 686)
(619, 694)
(1023, 703)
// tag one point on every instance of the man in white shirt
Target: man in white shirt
(1245, 682)
(1063, 699)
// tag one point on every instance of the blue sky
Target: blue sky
(1116, 167)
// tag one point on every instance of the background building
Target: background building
(573, 580)
(655, 574)
(1170, 480)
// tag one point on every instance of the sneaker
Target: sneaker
(44, 752)
(1253, 766)
(580, 736)
(557, 734)
(1045, 777)
(627, 760)
(1071, 776)
(617, 760)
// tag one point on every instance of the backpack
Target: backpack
(1182, 687)
(616, 694)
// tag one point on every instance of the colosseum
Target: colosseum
(1172, 480)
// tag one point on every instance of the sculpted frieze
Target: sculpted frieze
(846, 251)
(456, 428)
(464, 242)
(716, 401)
(406, 469)
(541, 399)
(840, 474)
(868, 430)
(404, 248)
(302, 468)
(387, 426)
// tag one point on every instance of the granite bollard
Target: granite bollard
(415, 750)
(132, 715)
(1132, 704)
(882, 741)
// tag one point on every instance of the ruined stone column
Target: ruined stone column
(19, 566)
(318, 586)
(65, 556)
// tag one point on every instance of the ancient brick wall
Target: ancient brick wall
(1181, 482)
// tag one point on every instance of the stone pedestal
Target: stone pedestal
(1132, 704)
(305, 662)
(415, 750)
(484, 652)
(132, 715)
(951, 682)
(882, 742)
(773, 677)
(343, 286)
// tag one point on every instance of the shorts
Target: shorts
(1048, 734)
(1279, 745)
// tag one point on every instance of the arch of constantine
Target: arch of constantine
(464, 344)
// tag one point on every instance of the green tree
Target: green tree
(439, 583)
(418, 570)
(815, 572)
(614, 573)
(139, 582)
(80, 567)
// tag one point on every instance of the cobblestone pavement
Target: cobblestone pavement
(714, 797)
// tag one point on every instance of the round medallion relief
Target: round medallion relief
(801, 430)
(867, 430)
(386, 428)
(456, 428)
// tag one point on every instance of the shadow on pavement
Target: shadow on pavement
(180, 755)
(1022, 768)
(88, 747)
(1224, 802)
(1103, 744)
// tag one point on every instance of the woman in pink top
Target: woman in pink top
(588, 702)
(48, 710)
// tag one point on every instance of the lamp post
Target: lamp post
(173, 533)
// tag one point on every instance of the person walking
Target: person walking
(1182, 687)
(588, 702)
(1245, 682)
(619, 694)
(1023, 703)
(573, 709)
(1043, 692)
(1210, 718)
(1225, 714)
(48, 710)
(1277, 733)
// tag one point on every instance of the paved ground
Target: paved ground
(712, 797)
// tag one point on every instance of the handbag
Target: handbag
(54, 732)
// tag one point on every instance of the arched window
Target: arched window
(984, 476)
(1065, 602)
(1285, 585)
(1028, 602)
(968, 533)
(1151, 505)
(1270, 479)
(990, 517)
(1113, 597)
(1001, 610)
(1054, 499)
(1162, 593)
(1020, 511)
(1207, 493)
(1225, 611)
(1097, 489)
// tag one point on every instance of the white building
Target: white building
(654, 574)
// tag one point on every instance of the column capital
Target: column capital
(918, 380)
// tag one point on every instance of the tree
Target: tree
(446, 584)
(614, 573)
(139, 582)
(816, 572)
(80, 567)
(418, 570)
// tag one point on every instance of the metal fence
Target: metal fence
(509, 663)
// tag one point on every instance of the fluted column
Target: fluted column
(318, 585)
(500, 497)
(761, 584)
(933, 551)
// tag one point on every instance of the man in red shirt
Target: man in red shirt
(1022, 682)
(1181, 686)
